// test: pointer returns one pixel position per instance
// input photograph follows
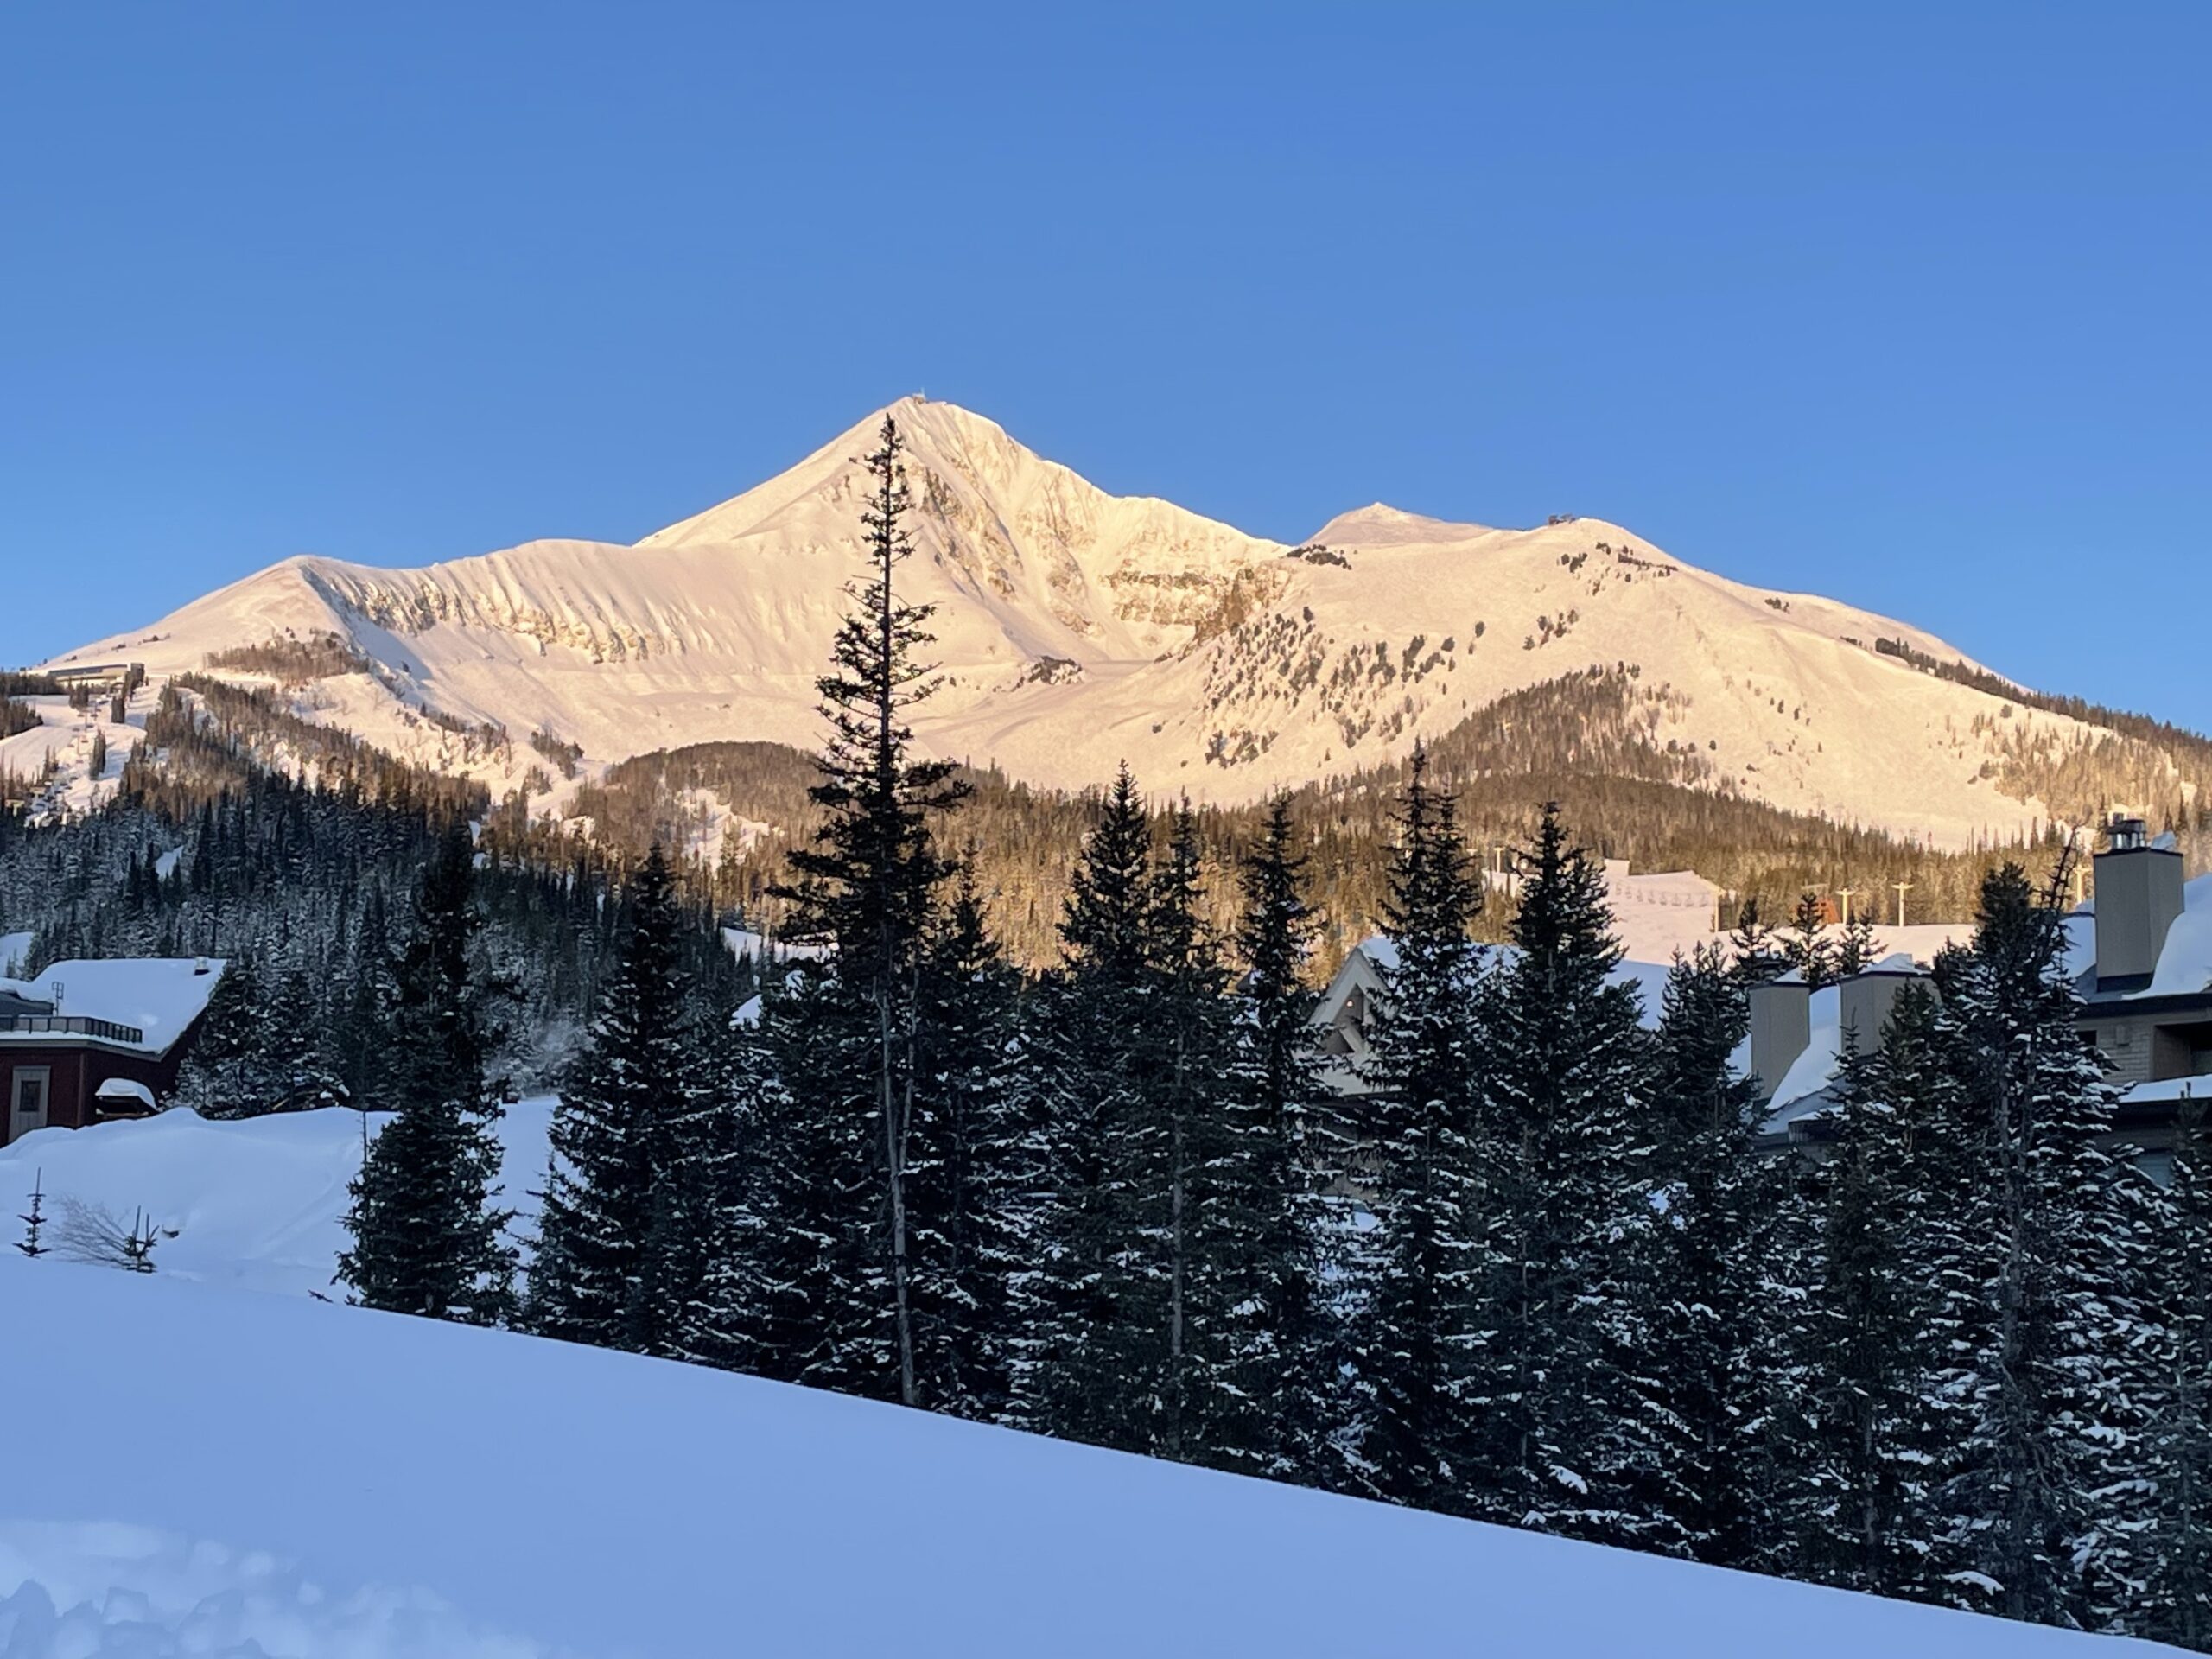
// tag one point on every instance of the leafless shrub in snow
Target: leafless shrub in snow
(91, 1232)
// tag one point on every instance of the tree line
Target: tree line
(1535, 1269)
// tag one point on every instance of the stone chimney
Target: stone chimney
(1782, 1029)
(2139, 898)
(1867, 998)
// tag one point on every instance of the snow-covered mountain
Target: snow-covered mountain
(1077, 629)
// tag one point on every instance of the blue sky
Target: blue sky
(1907, 305)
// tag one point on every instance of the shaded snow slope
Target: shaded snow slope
(1077, 629)
(115, 1591)
(257, 1204)
(603, 1505)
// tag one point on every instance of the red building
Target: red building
(86, 1041)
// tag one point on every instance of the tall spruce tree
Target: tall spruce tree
(623, 1236)
(2174, 1553)
(1880, 1298)
(1414, 1278)
(751, 1311)
(301, 1066)
(2044, 1399)
(1188, 1039)
(427, 1235)
(1564, 1135)
(972, 1179)
(1267, 1411)
(868, 887)
(1096, 1312)
(228, 1071)
(1703, 1323)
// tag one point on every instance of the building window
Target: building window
(30, 1093)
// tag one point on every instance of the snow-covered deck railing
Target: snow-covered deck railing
(71, 1025)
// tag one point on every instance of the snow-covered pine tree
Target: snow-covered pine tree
(748, 1312)
(623, 1236)
(2046, 1397)
(1564, 1133)
(298, 1063)
(1271, 1391)
(1413, 1278)
(1858, 949)
(2175, 1554)
(1804, 948)
(970, 1181)
(818, 1309)
(226, 1072)
(867, 887)
(427, 1237)
(361, 1017)
(707, 1216)
(1877, 1305)
(1188, 1040)
(1703, 1321)
(1095, 1313)
(1753, 950)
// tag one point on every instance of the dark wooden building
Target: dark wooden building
(87, 1041)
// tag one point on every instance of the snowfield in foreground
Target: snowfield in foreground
(200, 1468)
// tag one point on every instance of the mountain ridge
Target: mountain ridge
(1077, 630)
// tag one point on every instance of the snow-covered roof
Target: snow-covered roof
(160, 996)
(2170, 1089)
(2185, 963)
(1380, 953)
(1898, 962)
(1799, 1091)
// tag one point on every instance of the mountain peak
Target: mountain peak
(932, 431)
(1380, 524)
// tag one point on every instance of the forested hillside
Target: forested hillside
(1589, 742)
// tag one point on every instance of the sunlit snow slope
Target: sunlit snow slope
(1077, 629)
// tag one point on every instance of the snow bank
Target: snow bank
(621, 1506)
(2185, 961)
(256, 1203)
(115, 1591)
